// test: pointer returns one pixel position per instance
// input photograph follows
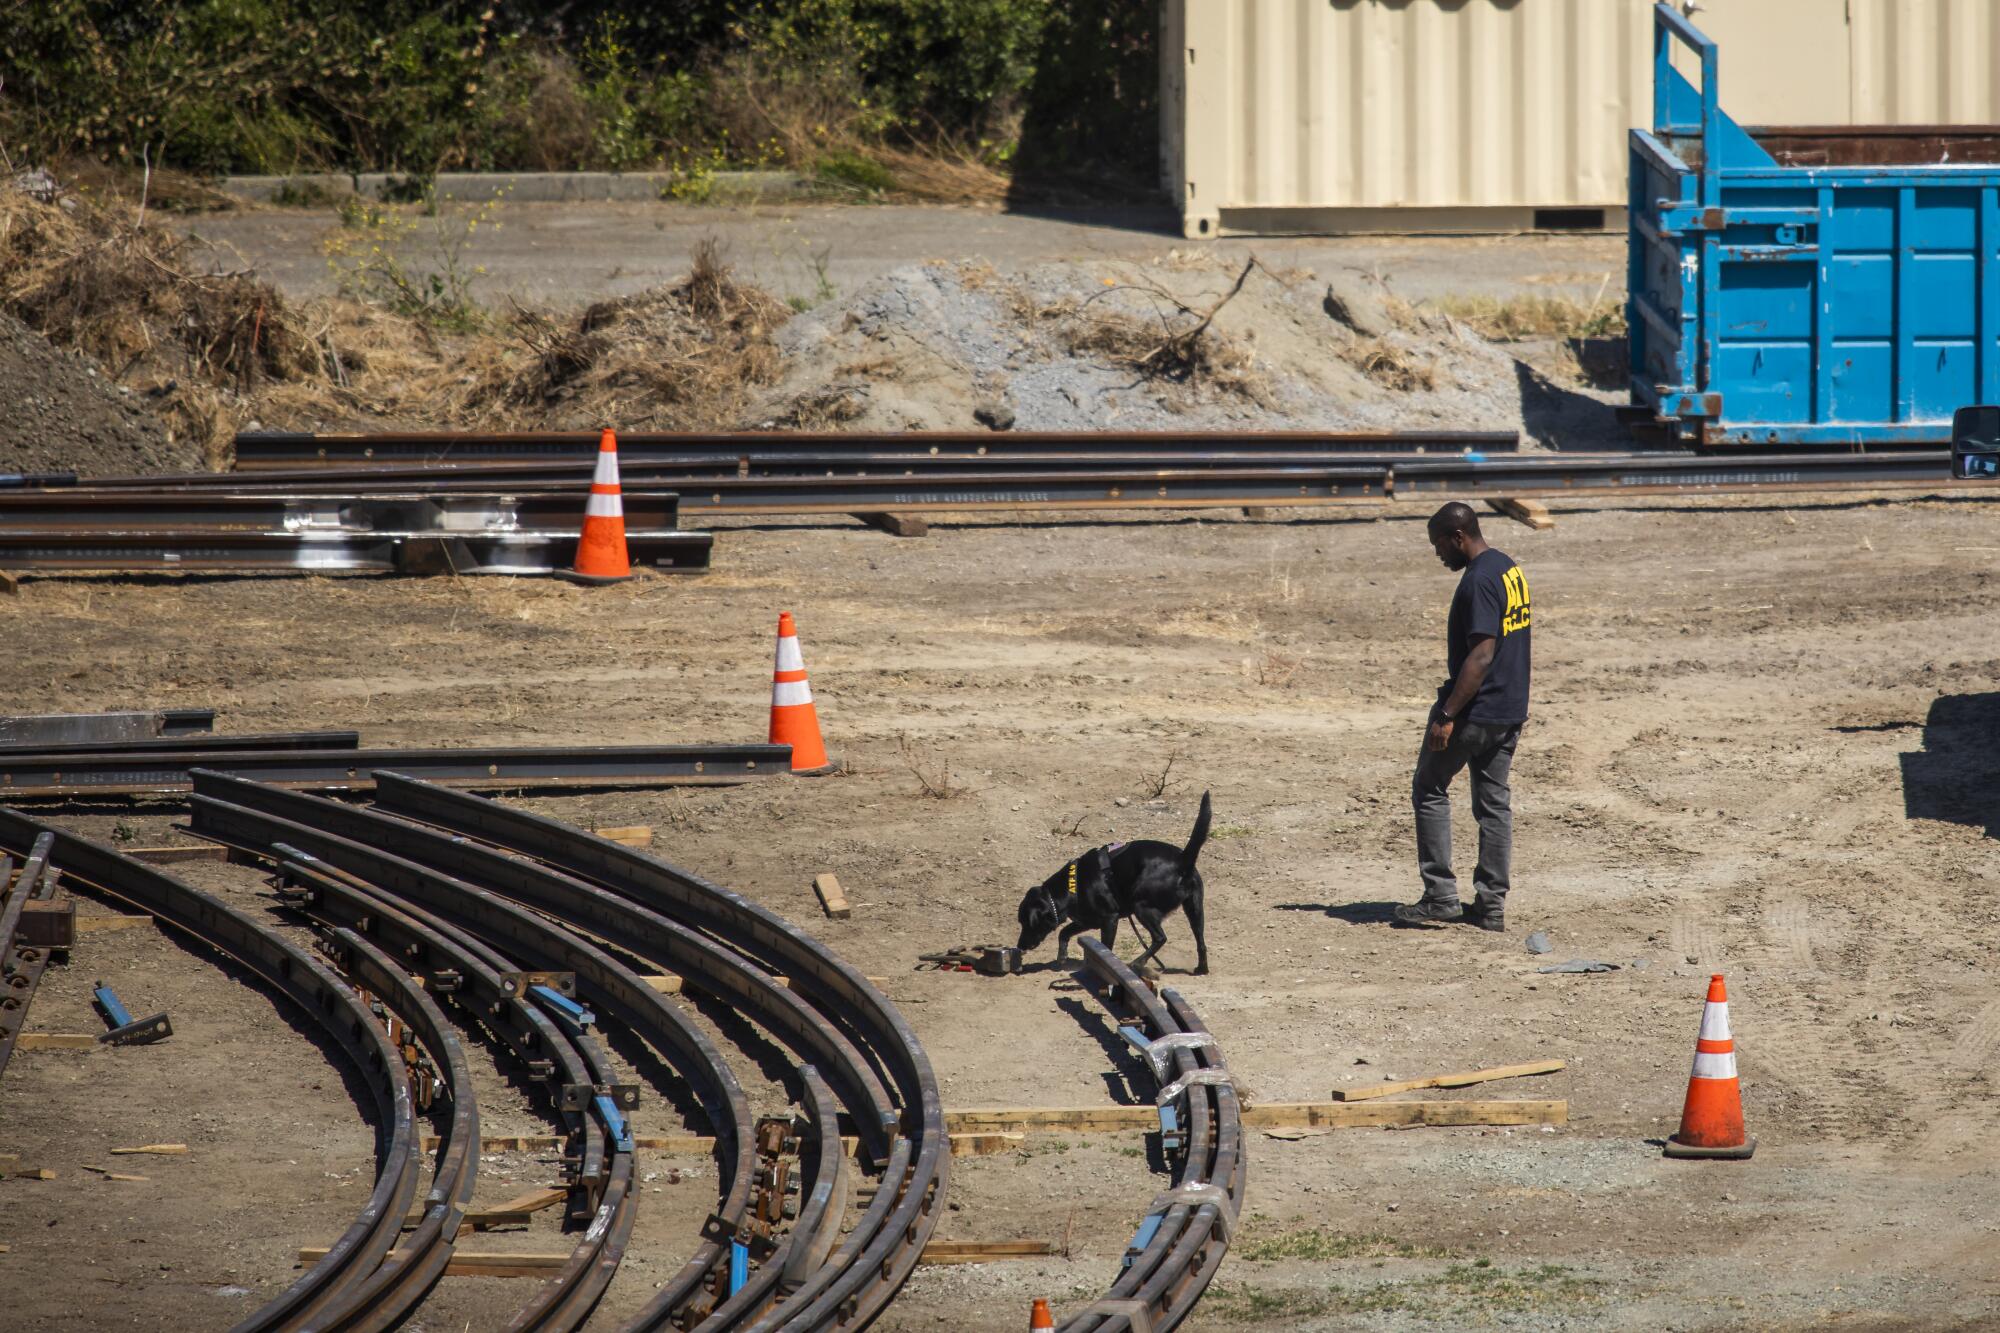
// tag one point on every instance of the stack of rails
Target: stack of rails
(918, 473)
(164, 526)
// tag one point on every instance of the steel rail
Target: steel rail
(1167, 1273)
(395, 1289)
(257, 450)
(194, 510)
(296, 975)
(707, 966)
(21, 964)
(261, 819)
(41, 776)
(877, 1256)
(1132, 485)
(272, 740)
(600, 1178)
(61, 731)
(307, 551)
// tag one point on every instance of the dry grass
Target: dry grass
(1155, 334)
(1391, 366)
(98, 275)
(1512, 319)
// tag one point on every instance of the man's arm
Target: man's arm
(1470, 677)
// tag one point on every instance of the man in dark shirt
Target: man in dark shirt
(1474, 724)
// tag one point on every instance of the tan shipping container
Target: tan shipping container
(1413, 115)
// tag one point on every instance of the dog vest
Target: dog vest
(1112, 847)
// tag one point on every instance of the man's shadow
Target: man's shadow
(1956, 776)
(1354, 914)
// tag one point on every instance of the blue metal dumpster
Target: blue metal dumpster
(1779, 298)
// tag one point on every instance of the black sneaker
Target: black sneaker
(1428, 912)
(1484, 918)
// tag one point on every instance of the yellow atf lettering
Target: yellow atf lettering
(1520, 614)
(1072, 879)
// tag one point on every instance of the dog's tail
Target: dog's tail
(1197, 838)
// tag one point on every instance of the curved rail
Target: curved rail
(299, 977)
(241, 813)
(1183, 1238)
(600, 1184)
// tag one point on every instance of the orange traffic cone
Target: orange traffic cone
(1712, 1119)
(600, 553)
(1040, 1317)
(794, 720)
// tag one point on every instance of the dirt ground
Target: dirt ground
(1763, 743)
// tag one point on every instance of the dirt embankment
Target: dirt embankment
(1184, 340)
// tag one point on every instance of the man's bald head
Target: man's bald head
(1455, 535)
(1454, 517)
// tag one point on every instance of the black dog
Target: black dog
(1142, 880)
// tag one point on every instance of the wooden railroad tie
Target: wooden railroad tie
(983, 1132)
(1531, 512)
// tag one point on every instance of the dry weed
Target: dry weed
(1391, 366)
(931, 770)
(1170, 341)
(1514, 318)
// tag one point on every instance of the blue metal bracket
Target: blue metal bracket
(739, 1266)
(1144, 1237)
(125, 1030)
(569, 1012)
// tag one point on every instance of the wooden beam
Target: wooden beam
(161, 856)
(157, 1149)
(897, 525)
(1277, 1115)
(468, 1263)
(630, 835)
(981, 1144)
(87, 924)
(983, 1251)
(1464, 1080)
(830, 896)
(1531, 512)
(57, 1041)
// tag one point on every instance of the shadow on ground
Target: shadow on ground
(1956, 776)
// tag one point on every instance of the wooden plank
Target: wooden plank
(1464, 1080)
(86, 925)
(164, 856)
(57, 1041)
(31, 1173)
(983, 1251)
(517, 1211)
(158, 1149)
(630, 835)
(666, 983)
(1340, 1115)
(470, 1263)
(109, 1174)
(1531, 512)
(830, 896)
(979, 1144)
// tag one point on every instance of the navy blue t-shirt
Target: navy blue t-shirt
(1492, 603)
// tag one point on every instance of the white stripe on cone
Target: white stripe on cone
(607, 468)
(605, 506)
(1715, 1064)
(790, 693)
(789, 656)
(1715, 1022)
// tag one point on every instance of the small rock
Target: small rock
(994, 414)
(1356, 301)
(1539, 942)
(1121, 801)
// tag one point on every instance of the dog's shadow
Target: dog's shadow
(1354, 914)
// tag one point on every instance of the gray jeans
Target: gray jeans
(1489, 752)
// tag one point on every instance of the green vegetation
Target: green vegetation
(1462, 1292)
(844, 89)
(1320, 1244)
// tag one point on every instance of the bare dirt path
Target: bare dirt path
(1764, 743)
